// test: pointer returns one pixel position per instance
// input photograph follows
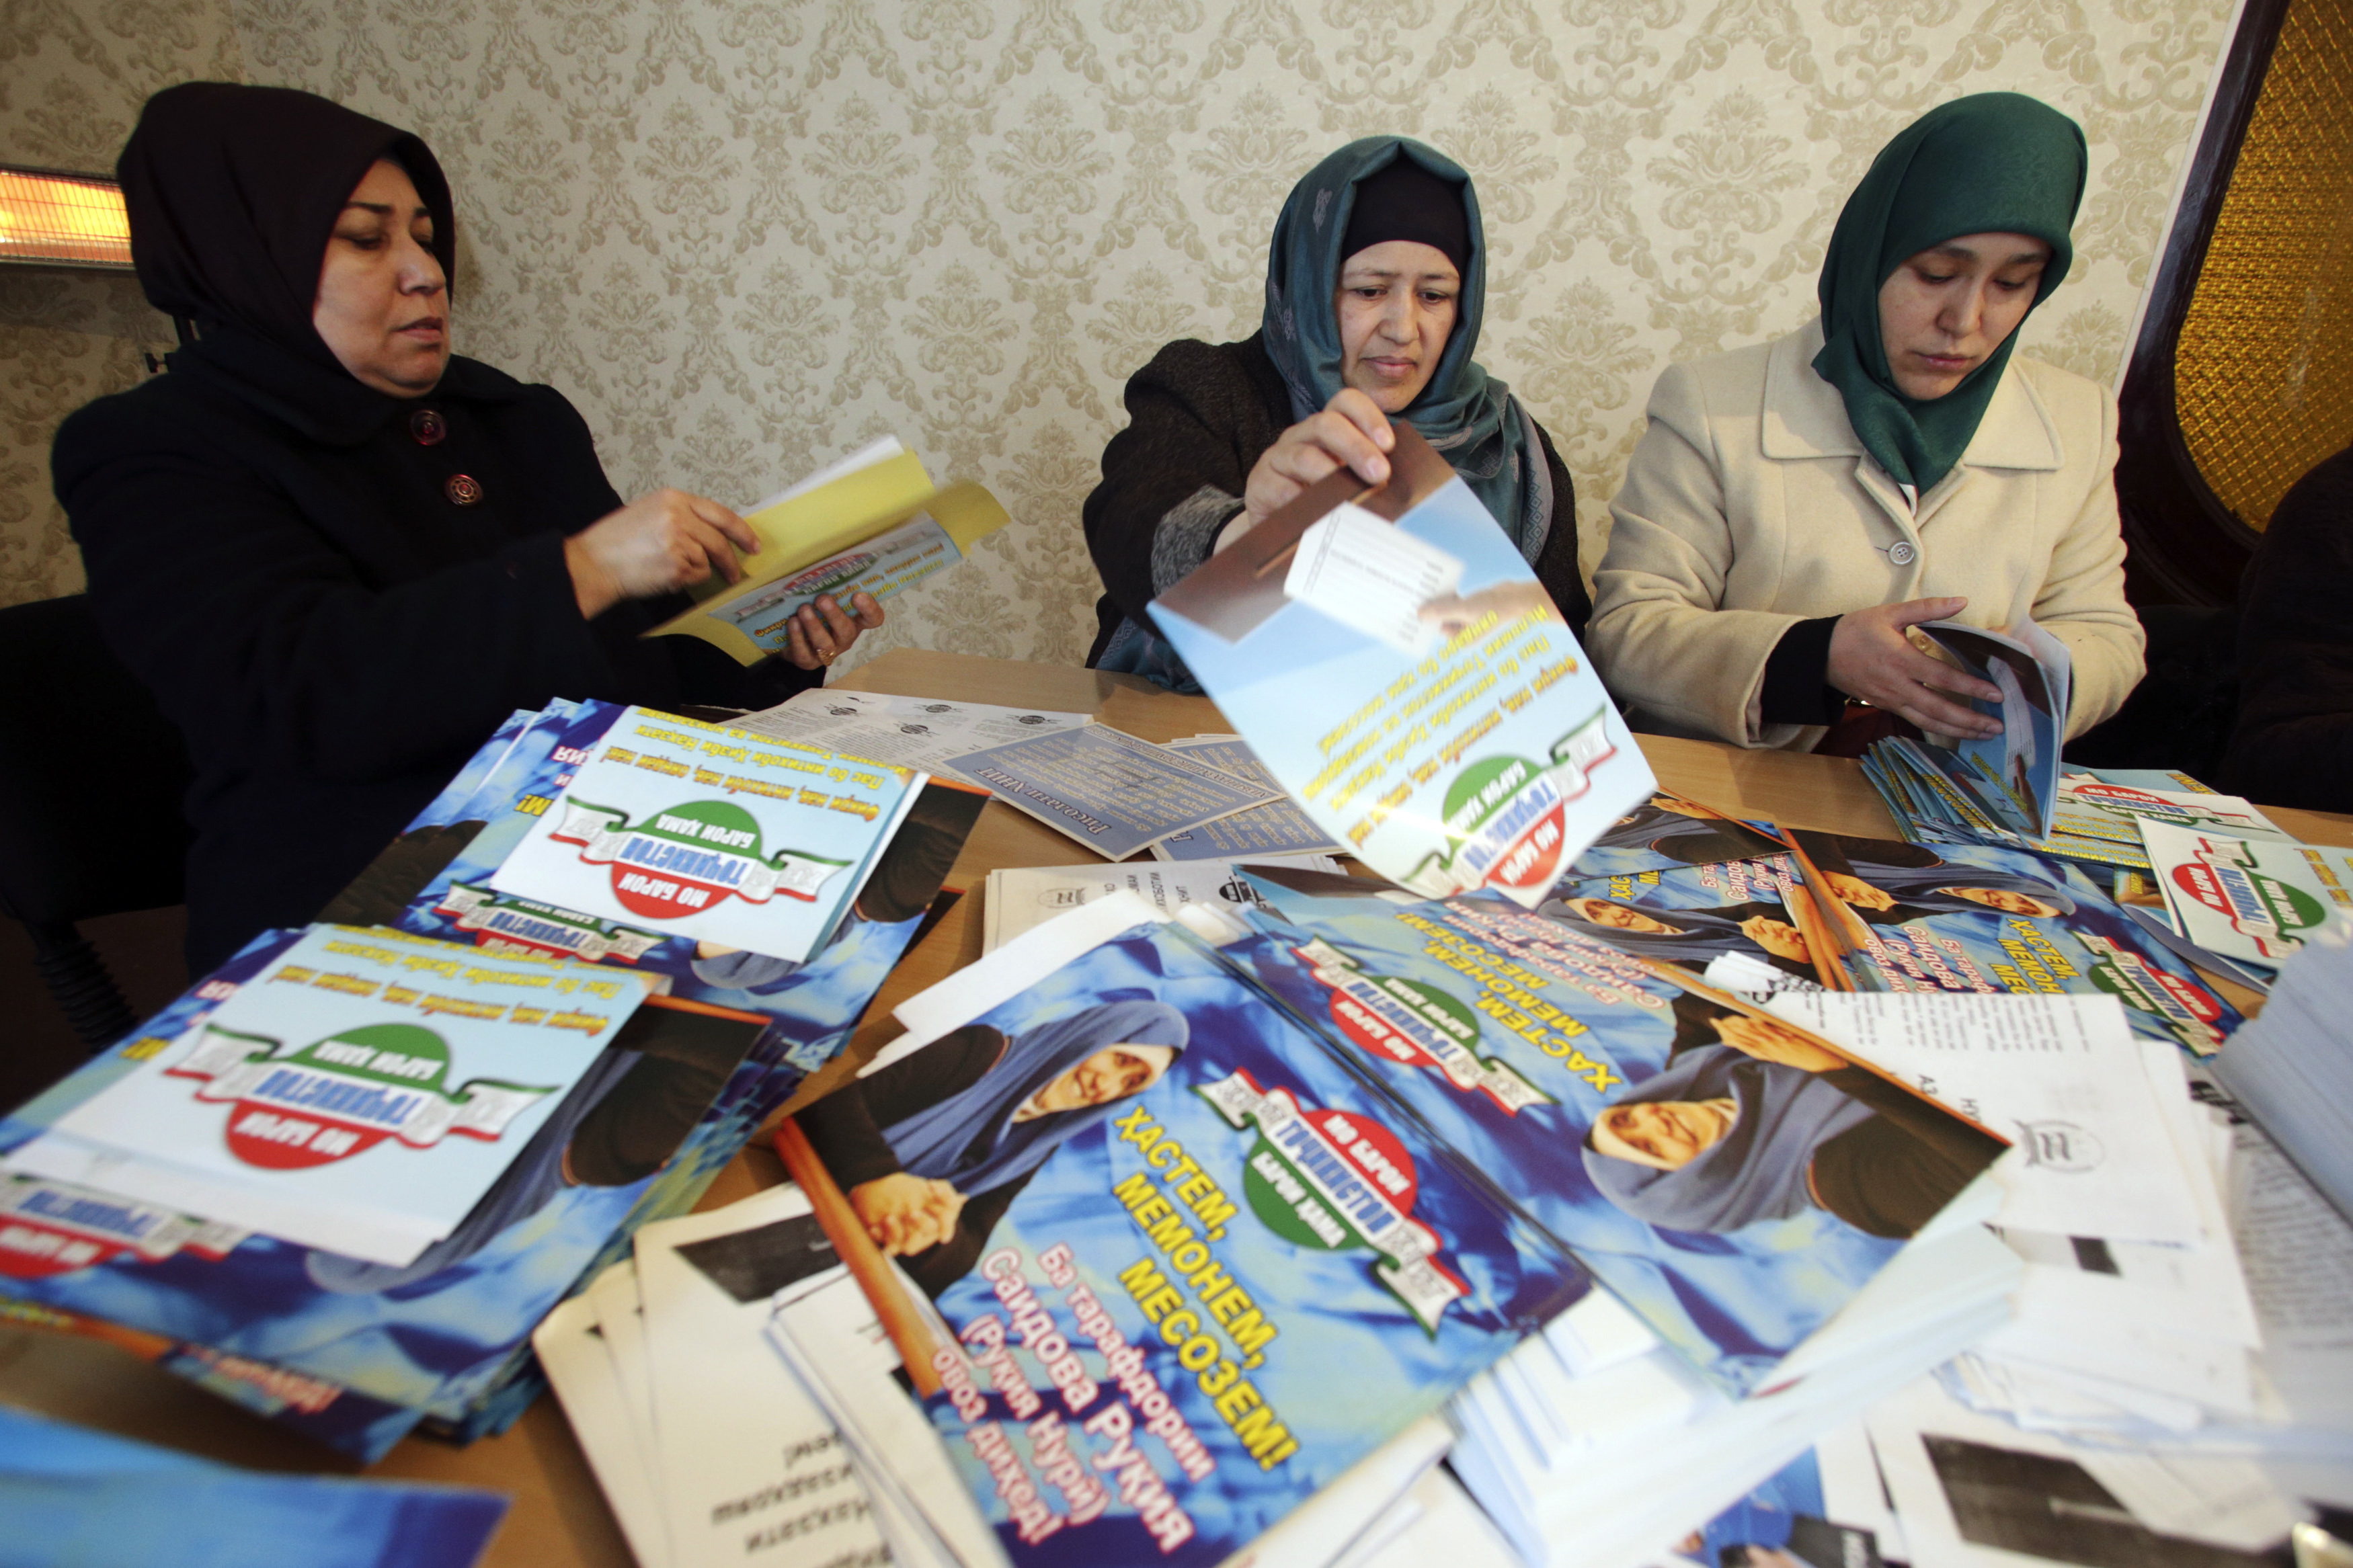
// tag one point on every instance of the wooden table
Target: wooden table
(559, 1518)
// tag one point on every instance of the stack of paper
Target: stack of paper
(707, 1448)
(268, 1115)
(2291, 1071)
(425, 1214)
(714, 832)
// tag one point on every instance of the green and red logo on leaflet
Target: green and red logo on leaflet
(502, 924)
(1337, 1180)
(344, 1095)
(1414, 1025)
(683, 859)
(2260, 907)
(2190, 1013)
(55, 1227)
(1505, 816)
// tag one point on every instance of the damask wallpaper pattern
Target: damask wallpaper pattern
(745, 235)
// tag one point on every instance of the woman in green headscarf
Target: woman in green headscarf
(1375, 285)
(1793, 507)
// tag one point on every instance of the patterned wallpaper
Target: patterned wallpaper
(745, 235)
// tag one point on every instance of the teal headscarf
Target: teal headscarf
(1995, 163)
(1469, 415)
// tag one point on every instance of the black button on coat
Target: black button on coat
(277, 557)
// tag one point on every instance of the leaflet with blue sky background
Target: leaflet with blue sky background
(1489, 757)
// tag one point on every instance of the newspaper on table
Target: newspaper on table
(1278, 828)
(1401, 671)
(1108, 790)
(924, 733)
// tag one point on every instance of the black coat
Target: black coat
(279, 556)
(2294, 744)
(1200, 416)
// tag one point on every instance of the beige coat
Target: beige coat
(1749, 506)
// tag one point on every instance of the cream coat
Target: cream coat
(1749, 505)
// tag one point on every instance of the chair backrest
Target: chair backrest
(92, 774)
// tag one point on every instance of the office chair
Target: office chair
(92, 774)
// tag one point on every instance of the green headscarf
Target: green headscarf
(1995, 163)
(1469, 415)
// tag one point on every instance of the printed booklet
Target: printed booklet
(1165, 1268)
(872, 522)
(356, 1353)
(1400, 672)
(2014, 775)
(1160, 1260)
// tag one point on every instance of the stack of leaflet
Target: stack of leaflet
(2007, 784)
(2248, 894)
(348, 1039)
(2095, 812)
(1255, 1196)
(1569, 1428)
(71, 1496)
(706, 1447)
(2290, 1070)
(1278, 828)
(393, 1222)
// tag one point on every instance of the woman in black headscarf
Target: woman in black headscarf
(338, 554)
(1375, 288)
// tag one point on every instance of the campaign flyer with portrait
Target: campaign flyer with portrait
(683, 827)
(1195, 1266)
(1734, 1179)
(1918, 917)
(1409, 682)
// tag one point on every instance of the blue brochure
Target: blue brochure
(71, 1494)
(356, 1354)
(1412, 687)
(1578, 1079)
(1201, 1267)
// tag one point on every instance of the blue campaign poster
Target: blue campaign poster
(1732, 1181)
(1213, 1290)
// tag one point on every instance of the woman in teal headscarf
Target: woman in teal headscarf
(1375, 285)
(1794, 508)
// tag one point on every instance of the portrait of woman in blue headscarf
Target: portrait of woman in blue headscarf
(933, 1149)
(1688, 937)
(1755, 1120)
(1889, 884)
(1376, 285)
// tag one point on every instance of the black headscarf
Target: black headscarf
(233, 192)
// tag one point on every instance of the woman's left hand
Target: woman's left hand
(820, 633)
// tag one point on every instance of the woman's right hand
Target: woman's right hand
(905, 1214)
(658, 543)
(1351, 432)
(1871, 657)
